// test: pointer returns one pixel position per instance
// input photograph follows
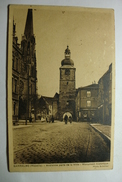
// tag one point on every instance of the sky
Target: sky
(89, 33)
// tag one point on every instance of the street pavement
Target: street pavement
(58, 142)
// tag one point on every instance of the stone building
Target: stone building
(105, 97)
(48, 106)
(67, 86)
(16, 61)
(63, 103)
(28, 73)
(94, 102)
(24, 76)
(86, 103)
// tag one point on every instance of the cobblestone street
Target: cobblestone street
(56, 142)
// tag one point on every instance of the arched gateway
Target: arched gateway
(68, 114)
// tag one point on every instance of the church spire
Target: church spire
(29, 24)
(14, 28)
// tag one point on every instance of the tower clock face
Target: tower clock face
(67, 71)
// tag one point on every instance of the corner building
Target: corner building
(67, 86)
(86, 103)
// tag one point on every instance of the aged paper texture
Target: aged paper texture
(61, 87)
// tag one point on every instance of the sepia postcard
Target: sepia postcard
(60, 88)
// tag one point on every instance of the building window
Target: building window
(13, 62)
(31, 89)
(67, 103)
(32, 71)
(16, 64)
(88, 103)
(79, 114)
(15, 86)
(12, 84)
(14, 108)
(88, 93)
(28, 48)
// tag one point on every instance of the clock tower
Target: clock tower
(67, 86)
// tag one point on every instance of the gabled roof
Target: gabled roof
(106, 73)
(48, 100)
(56, 96)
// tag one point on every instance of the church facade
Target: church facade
(24, 74)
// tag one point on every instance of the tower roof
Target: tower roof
(67, 50)
(29, 24)
(67, 60)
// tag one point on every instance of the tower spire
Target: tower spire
(29, 24)
(67, 53)
(14, 28)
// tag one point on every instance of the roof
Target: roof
(56, 96)
(29, 24)
(48, 100)
(89, 87)
(106, 73)
(67, 60)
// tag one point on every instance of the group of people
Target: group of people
(66, 118)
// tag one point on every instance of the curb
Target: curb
(105, 137)
(21, 126)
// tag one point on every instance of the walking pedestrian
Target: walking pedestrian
(70, 119)
(52, 119)
(65, 119)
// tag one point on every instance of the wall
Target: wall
(86, 103)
